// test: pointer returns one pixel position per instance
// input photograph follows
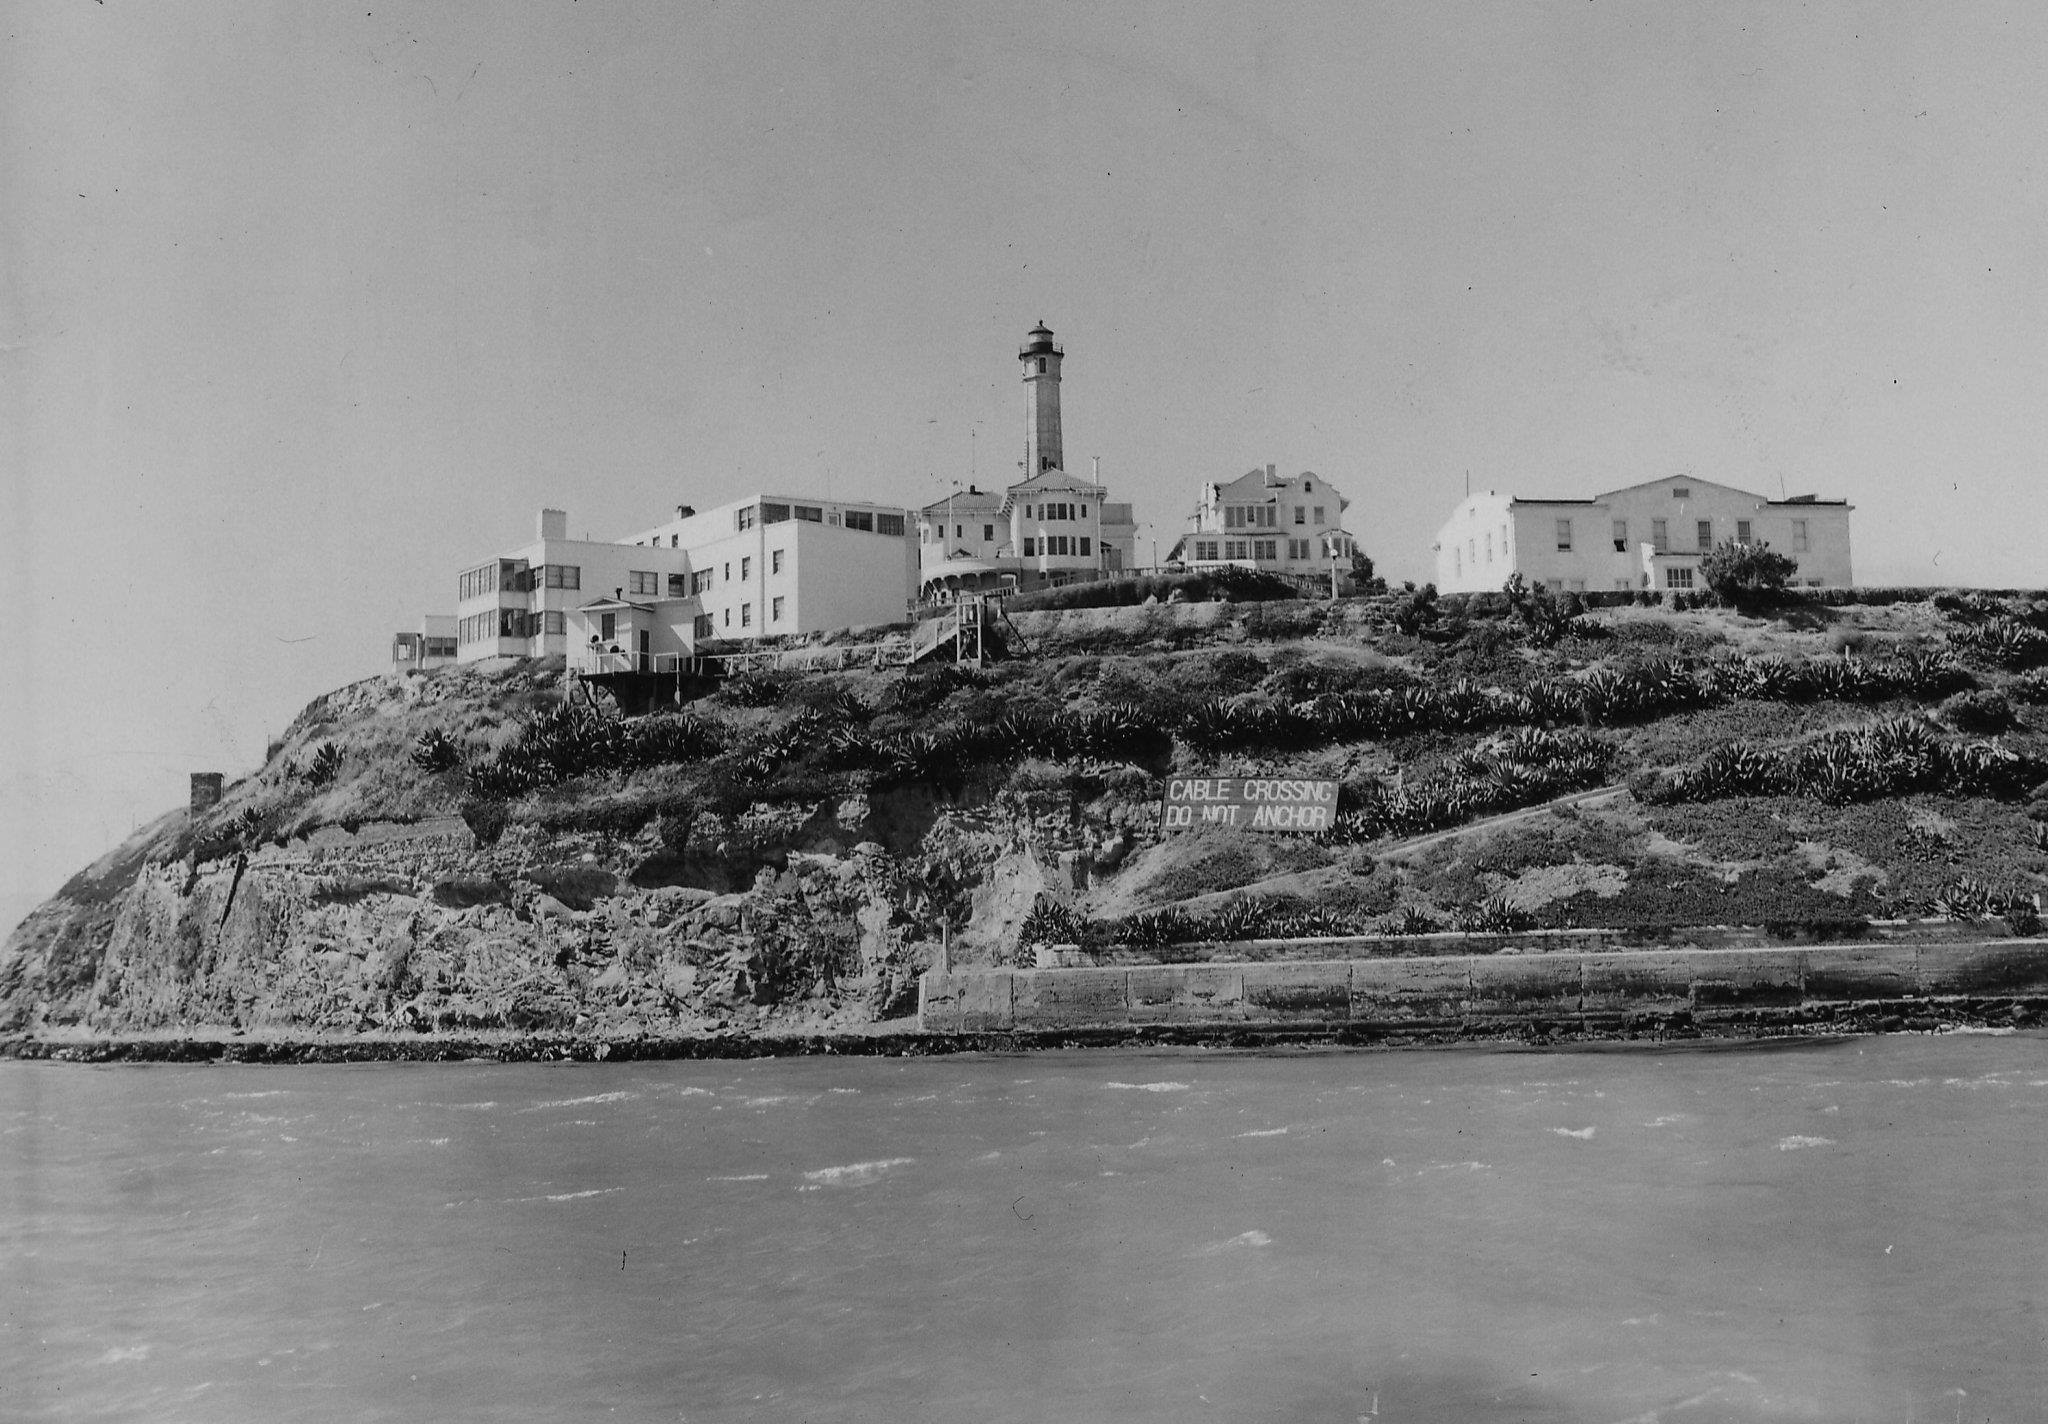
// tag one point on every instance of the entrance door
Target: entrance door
(646, 664)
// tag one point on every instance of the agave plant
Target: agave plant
(1241, 919)
(435, 751)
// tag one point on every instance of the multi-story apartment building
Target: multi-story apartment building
(758, 567)
(1291, 526)
(1647, 536)
(1047, 528)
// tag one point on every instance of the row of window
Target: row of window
(1266, 549)
(1059, 546)
(1056, 510)
(1660, 539)
(707, 626)
(1251, 516)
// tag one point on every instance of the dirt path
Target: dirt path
(1400, 849)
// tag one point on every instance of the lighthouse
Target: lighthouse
(1040, 356)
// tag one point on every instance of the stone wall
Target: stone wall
(1446, 991)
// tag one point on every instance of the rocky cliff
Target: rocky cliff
(453, 851)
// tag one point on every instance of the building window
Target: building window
(775, 561)
(889, 524)
(728, 571)
(775, 611)
(1742, 531)
(607, 626)
(643, 583)
(746, 567)
(1319, 516)
(675, 541)
(1030, 548)
(1681, 491)
(810, 513)
(553, 621)
(1660, 536)
(1041, 365)
(1300, 514)
(1472, 551)
(864, 521)
(1457, 561)
(728, 617)
(746, 615)
(700, 581)
(1675, 577)
(703, 627)
(1706, 535)
(1489, 546)
(677, 585)
(774, 513)
(1799, 536)
(564, 576)
(1267, 549)
(1623, 586)
(988, 533)
(746, 517)
(1564, 536)
(1084, 546)
(1621, 536)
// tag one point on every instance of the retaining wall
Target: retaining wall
(1446, 991)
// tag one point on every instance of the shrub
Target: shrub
(1988, 712)
(1747, 575)
(1416, 610)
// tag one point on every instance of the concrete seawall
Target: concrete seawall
(1442, 992)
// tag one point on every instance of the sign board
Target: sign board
(1251, 803)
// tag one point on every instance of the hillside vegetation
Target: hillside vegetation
(463, 849)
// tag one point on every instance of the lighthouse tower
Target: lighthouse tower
(1041, 358)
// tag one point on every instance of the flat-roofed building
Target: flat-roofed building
(1646, 536)
(764, 566)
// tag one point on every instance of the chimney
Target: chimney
(552, 524)
(1272, 475)
(205, 791)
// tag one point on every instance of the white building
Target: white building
(1048, 528)
(1647, 536)
(1259, 520)
(764, 566)
(432, 646)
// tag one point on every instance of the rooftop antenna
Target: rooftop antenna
(1468, 482)
(1781, 484)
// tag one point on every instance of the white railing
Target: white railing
(603, 660)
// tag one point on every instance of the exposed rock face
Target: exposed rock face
(421, 927)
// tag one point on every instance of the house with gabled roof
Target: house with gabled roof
(1648, 536)
(1283, 524)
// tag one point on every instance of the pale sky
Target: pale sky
(306, 307)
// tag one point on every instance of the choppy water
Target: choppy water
(1854, 1232)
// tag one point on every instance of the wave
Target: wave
(853, 1174)
(1794, 1143)
(1151, 1087)
(1582, 1133)
(613, 1097)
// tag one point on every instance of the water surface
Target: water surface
(1853, 1232)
